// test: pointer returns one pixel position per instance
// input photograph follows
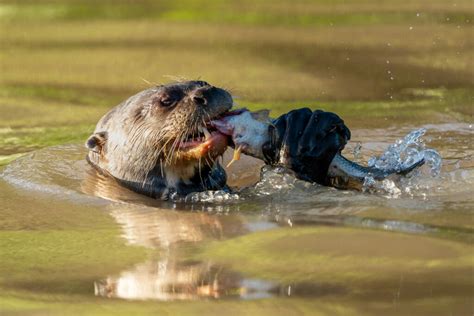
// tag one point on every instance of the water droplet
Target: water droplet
(410, 28)
(403, 153)
(392, 78)
(210, 197)
(388, 61)
(356, 151)
(417, 14)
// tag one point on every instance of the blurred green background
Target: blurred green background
(64, 63)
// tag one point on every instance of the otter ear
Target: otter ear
(96, 141)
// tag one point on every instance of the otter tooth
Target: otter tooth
(206, 132)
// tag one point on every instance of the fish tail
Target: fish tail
(344, 174)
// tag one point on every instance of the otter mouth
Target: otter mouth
(205, 144)
(207, 141)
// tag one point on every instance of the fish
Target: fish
(249, 131)
(346, 174)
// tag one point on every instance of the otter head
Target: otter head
(159, 141)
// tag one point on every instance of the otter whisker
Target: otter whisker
(149, 83)
(179, 139)
(163, 147)
(200, 171)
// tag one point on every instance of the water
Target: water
(216, 245)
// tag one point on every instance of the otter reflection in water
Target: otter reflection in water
(166, 276)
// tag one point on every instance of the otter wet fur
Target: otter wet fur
(156, 142)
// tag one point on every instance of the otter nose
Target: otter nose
(199, 99)
(202, 96)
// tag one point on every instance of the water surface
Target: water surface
(282, 239)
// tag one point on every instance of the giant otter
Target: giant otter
(153, 143)
(164, 142)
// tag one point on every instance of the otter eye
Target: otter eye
(168, 98)
(167, 101)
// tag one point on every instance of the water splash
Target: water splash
(404, 151)
(280, 184)
(218, 196)
(357, 151)
(276, 183)
(274, 179)
(398, 156)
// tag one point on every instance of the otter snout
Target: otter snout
(214, 100)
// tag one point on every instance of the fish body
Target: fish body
(250, 131)
(343, 173)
